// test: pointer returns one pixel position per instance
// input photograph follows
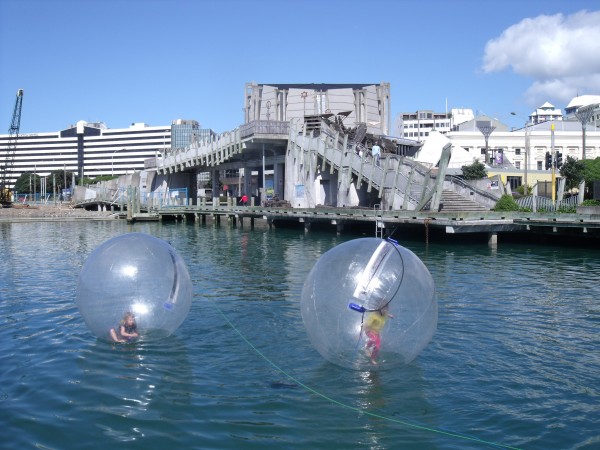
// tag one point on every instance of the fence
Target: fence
(164, 199)
(264, 127)
(546, 204)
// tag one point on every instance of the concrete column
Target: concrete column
(278, 170)
(493, 240)
(215, 187)
(247, 186)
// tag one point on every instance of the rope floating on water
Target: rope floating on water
(354, 408)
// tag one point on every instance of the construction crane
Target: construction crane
(9, 159)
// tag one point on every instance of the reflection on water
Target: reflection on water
(514, 359)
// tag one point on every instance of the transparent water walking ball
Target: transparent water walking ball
(369, 304)
(134, 273)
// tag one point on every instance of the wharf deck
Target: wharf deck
(583, 226)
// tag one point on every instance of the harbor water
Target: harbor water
(514, 363)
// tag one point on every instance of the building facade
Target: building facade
(92, 149)
(545, 113)
(523, 149)
(419, 124)
(188, 132)
(360, 103)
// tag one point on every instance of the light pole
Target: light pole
(486, 128)
(584, 114)
(112, 162)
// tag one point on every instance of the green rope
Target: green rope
(354, 408)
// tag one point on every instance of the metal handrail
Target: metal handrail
(463, 183)
(264, 127)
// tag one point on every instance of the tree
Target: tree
(591, 171)
(27, 179)
(27, 183)
(475, 171)
(573, 172)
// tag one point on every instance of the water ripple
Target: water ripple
(514, 360)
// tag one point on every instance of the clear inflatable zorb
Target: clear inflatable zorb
(369, 304)
(138, 274)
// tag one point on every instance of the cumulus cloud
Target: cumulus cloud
(559, 52)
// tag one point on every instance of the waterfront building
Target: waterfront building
(367, 103)
(507, 148)
(91, 149)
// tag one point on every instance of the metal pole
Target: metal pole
(525, 188)
(583, 125)
(264, 192)
(553, 162)
(584, 114)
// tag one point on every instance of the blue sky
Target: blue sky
(153, 61)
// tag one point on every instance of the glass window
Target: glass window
(539, 165)
(517, 151)
(517, 164)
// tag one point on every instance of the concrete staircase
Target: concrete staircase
(452, 201)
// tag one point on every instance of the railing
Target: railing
(464, 184)
(546, 204)
(164, 199)
(264, 127)
(382, 176)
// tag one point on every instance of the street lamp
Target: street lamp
(112, 162)
(584, 114)
(486, 128)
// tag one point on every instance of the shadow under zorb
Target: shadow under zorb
(366, 281)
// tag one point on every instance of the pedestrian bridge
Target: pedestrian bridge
(397, 182)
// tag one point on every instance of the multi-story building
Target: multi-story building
(419, 124)
(514, 152)
(93, 149)
(585, 100)
(545, 113)
(188, 132)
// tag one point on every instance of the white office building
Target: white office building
(417, 125)
(92, 149)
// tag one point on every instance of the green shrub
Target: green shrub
(506, 203)
(567, 209)
(590, 203)
(474, 171)
(521, 189)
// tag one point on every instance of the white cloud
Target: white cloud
(561, 53)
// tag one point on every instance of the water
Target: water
(515, 361)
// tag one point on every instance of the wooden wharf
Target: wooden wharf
(381, 222)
